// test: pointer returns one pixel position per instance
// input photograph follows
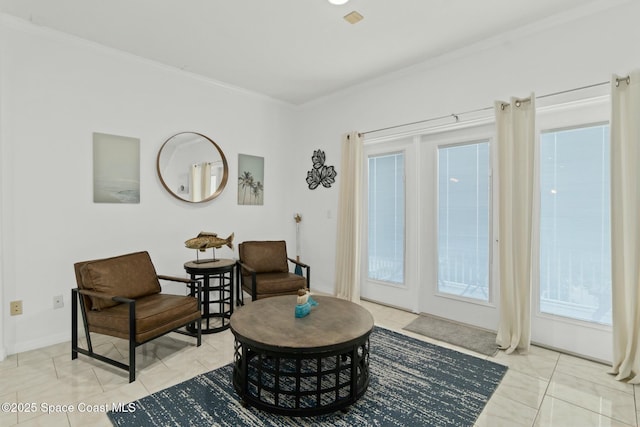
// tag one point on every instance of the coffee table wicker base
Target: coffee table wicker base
(301, 384)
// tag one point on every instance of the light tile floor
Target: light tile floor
(542, 388)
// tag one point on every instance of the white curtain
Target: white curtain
(195, 182)
(625, 230)
(515, 133)
(200, 181)
(348, 233)
(206, 180)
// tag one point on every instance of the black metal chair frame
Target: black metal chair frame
(241, 266)
(76, 295)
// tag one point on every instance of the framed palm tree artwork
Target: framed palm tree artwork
(250, 180)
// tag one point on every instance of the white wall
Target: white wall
(560, 54)
(57, 91)
(3, 301)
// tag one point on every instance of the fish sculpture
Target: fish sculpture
(206, 240)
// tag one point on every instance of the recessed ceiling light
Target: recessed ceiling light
(338, 2)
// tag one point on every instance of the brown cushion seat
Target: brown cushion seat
(272, 284)
(155, 315)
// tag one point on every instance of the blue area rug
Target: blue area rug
(413, 383)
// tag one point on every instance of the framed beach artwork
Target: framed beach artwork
(116, 169)
(250, 180)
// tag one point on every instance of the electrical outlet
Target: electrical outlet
(15, 308)
(58, 301)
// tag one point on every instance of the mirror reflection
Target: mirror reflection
(192, 167)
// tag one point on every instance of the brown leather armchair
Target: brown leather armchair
(121, 297)
(264, 270)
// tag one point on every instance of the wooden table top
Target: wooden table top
(209, 265)
(271, 323)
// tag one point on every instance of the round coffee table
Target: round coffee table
(301, 366)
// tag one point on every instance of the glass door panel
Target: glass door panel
(575, 238)
(463, 220)
(386, 233)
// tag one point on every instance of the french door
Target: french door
(389, 243)
(572, 269)
(457, 226)
(427, 245)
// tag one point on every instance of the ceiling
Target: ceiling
(292, 50)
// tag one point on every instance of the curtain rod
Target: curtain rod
(456, 116)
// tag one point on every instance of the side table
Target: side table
(217, 292)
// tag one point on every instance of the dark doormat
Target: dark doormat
(469, 337)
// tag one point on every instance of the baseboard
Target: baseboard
(388, 305)
(39, 343)
(3, 354)
(570, 353)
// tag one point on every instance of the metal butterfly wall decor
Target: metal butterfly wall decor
(320, 174)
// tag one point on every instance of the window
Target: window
(575, 242)
(463, 220)
(386, 217)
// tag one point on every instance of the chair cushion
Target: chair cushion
(276, 283)
(265, 256)
(130, 276)
(155, 315)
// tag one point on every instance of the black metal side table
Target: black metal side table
(217, 292)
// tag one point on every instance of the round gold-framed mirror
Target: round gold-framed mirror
(192, 167)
